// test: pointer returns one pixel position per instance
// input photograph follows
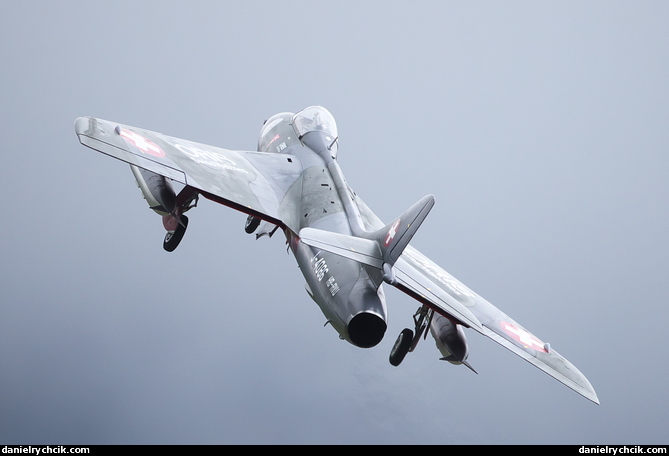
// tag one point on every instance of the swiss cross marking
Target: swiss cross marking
(522, 336)
(145, 145)
(392, 232)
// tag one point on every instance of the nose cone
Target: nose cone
(366, 329)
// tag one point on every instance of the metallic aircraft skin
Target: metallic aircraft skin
(352, 302)
(344, 251)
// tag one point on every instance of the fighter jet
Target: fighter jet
(294, 183)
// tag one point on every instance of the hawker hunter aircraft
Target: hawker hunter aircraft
(293, 182)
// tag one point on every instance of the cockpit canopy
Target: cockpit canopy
(314, 118)
(276, 133)
(317, 119)
(285, 129)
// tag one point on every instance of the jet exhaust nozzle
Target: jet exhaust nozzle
(366, 329)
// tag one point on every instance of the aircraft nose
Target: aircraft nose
(366, 329)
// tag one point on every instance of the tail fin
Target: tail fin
(394, 237)
(379, 249)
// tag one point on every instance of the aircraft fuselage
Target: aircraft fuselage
(348, 294)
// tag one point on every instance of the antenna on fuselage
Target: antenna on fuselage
(333, 143)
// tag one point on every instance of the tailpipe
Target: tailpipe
(366, 329)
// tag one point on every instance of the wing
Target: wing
(495, 324)
(253, 182)
(424, 280)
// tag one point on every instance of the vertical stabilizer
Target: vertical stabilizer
(394, 237)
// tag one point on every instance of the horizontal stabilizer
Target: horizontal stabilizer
(363, 251)
(383, 246)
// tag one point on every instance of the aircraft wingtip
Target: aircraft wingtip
(594, 398)
(80, 124)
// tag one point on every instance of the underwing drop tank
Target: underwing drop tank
(450, 339)
(157, 190)
(159, 194)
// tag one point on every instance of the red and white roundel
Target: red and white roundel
(392, 232)
(145, 145)
(522, 336)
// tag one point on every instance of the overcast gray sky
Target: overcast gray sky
(541, 127)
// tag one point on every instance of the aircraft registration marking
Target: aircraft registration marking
(207, 158)
(524, 337)
(320, 269)
(442, 276)
(332, 285)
